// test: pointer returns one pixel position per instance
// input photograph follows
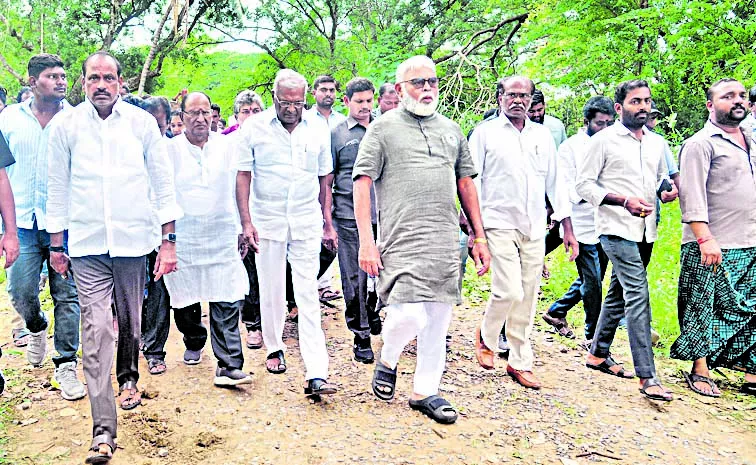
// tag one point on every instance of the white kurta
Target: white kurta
(210, 268)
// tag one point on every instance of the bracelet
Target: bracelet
(624, 204)
(57, 249)
(701, 240)
(480, 240)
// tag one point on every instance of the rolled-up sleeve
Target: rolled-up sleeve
(243, 147)
(58, 178)
(160, 171)
(695, 161)
(588, 170)
(556, 188)
(464, 167)
(370, 157)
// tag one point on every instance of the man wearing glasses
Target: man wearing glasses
(289, 154)
(517, 162)
(420, 163)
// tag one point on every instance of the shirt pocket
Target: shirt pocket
(449, 149)
(539, 160)
(305, 157)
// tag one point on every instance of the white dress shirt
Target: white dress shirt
(556, 127)
(27, 141)
(618, 163)
(517, 171)
(102, 174)
(285, 169)
(209, 267)
(570, 155)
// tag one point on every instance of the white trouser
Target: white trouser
(304, 259)
(429, 323)
(516, 266)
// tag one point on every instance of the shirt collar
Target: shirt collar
(351, 122)
(117, 107)
(714, 130)
(505, 121)
(622, 130)
(26, 106)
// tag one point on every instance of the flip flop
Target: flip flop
(649, 382)
(605, 366)
(281, 362)
(21, 338)
(694, 378)
(437, 408)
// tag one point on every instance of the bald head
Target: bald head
(197, 116)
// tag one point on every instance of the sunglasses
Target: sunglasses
(419, 83)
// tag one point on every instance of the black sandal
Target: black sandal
(748, 388)
(100, 457)
(317, 387)
(437, 408)
(384, 377)
(649, 382)
(281, 362)
(605, 366)
(691, 378)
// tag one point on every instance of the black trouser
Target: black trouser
(224, 331)
(326, 258)
(360, 305)
(156, 314)
(250, 312)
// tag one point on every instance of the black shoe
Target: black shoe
(317, 387)
(363, 352)
(231, 377)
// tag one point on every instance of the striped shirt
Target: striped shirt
(28, 177)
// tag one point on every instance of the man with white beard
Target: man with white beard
(419, 161)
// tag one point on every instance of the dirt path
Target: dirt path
(269, 422)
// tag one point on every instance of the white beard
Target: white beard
(418, 108)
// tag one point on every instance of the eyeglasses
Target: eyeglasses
(419, 83)
(286, 103)
(517, 95)
(196, 113)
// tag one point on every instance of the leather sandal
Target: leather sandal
(102, 454)
(129, 396)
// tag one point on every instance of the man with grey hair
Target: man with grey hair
(246, 104)
(420, 162)
(160, 108)
(517, 161)
(388, 99)
(289, 154)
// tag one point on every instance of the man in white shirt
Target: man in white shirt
(288, 153)
(210, 268)
(512, 186)
(26, 127)
(598, 114)
(106, 160)
(324, 89)
(622, 173)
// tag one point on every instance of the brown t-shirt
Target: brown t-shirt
(718, 187)
(415, 163)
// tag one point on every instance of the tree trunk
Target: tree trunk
(153, 48)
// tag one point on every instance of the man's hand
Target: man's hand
(571, 245)
(482, 257)
(166, 260)
(370, 259)
(668, 196)
(60, 263)
(639, 207)
(330, 238)
(249, 239)
(9, 246)
(711, 254)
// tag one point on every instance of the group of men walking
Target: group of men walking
(116, 208)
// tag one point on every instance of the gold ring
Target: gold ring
(643, 214)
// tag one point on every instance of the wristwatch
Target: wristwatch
(170, 237)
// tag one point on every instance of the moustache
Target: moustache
(102, 92)
(737, 106)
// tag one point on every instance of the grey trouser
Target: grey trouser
(360, 308)
(627, 296)
(101, 281)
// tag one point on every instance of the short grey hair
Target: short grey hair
(413, 63)
(386, 88)
(289, 79)
(247, 97)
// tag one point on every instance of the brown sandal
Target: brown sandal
(129, 396)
